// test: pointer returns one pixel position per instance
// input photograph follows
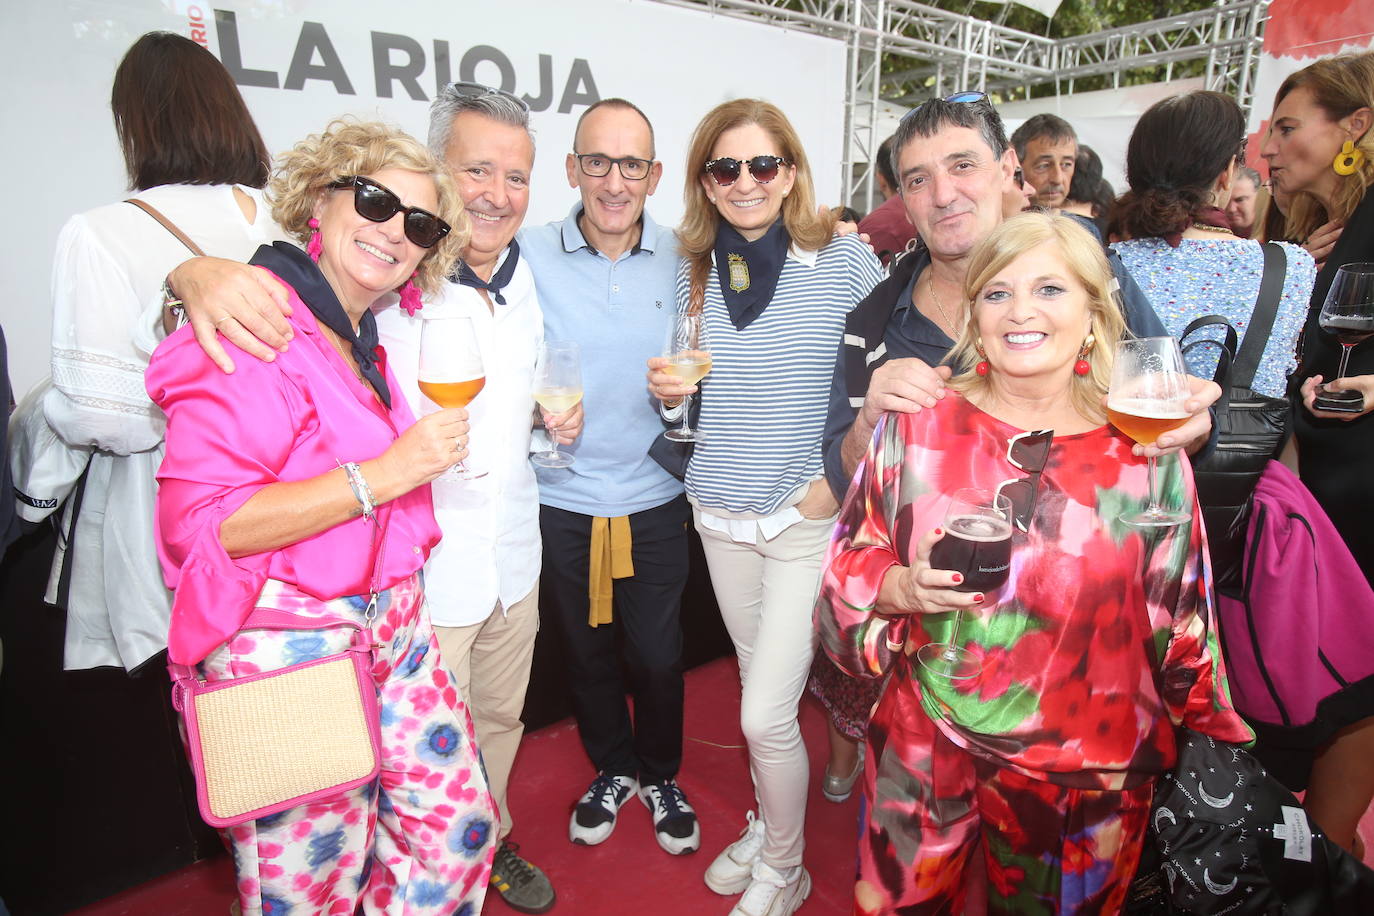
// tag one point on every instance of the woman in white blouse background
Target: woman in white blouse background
(194, 154)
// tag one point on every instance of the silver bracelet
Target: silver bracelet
(361, 491)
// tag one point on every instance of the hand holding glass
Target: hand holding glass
(451, 372)
(557, 388)
(1147, 398)
(1348, 312)
(977, 544)
(689, 358)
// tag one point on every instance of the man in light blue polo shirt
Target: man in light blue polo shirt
(614, 524)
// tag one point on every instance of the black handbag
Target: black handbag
(1251, 427)
(1226, 837)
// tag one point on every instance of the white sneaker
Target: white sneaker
(733, 869)
(675, 823)
(774, 893)
(593, 817)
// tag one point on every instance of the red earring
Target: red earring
(1083, 367)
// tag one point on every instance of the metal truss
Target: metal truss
(902, 51)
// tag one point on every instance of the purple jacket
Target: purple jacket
(1304, 634)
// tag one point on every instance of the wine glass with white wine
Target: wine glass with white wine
(1146, 399)
(557, 388)
(451, 372)
(689, 358)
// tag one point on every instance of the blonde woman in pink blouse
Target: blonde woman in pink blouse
(289, 485)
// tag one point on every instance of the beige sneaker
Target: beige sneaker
(733, 869)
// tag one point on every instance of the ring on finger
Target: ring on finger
(223, 320)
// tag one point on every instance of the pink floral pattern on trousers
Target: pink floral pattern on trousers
(418, 840)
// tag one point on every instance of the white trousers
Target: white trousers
(766, 592)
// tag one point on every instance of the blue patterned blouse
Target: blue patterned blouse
(1222, 277)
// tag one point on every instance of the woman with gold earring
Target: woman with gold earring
(1320, 151)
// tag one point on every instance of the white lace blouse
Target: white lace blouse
(107, 277)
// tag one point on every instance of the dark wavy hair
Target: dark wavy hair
(180, 118)
(1178, 148)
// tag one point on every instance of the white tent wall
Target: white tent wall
(674, 63)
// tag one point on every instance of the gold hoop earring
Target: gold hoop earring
(1348, 160)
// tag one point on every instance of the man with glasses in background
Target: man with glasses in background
(615, 523)
(482, 581)
(955, 171)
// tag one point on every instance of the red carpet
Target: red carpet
(628, 873)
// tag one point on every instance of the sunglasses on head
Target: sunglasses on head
(725, 171)
(1028, 451)
(468, 88)
(379, 204)
(967, 97)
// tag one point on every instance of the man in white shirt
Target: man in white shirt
(482, 581)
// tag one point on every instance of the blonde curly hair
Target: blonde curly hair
(1084, 256)
(349, 147)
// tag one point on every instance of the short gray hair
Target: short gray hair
(457, 98)
(1245, 171)
(929, 118)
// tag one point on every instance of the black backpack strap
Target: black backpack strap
(1262, 318)
(1228, 345)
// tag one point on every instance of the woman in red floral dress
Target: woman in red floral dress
(1098, 645)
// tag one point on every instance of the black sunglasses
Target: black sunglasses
(1019, 176)
(468, 88)
(379, 204)
(595, 165)
(762, 169)
(1028, 451)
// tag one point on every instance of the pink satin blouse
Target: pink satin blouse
(229, 436)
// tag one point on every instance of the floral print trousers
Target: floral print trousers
(1049, 849)
(419, 840)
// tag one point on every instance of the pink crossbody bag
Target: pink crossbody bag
(273, 741)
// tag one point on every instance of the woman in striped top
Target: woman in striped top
(773, 287)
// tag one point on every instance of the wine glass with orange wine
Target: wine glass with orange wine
(1146, 399)
(451, 372)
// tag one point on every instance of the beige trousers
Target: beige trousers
(491, 663)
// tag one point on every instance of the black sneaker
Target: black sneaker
(523, 886)
(593, 818)
(675, 823)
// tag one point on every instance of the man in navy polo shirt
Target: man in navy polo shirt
(615, 523)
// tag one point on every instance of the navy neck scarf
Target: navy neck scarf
(748, 271)
(303, 275)
(498, 281)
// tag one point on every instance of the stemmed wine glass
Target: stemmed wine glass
(689, 358)
(451, 372)
(1146, 399)
(1348, 312)
(557, 387)
(977, 543)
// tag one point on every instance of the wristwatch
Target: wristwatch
(172, 303)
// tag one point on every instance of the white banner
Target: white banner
(300, 63)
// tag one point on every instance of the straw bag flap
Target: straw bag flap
(267, 742)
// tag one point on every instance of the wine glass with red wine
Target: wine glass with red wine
(977, 543)
(1348, 312)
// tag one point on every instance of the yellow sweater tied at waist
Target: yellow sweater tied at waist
(611, 558)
